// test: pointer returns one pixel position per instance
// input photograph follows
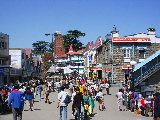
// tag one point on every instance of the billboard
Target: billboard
(15, 58)
(129, 39)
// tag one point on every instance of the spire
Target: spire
(71, 48)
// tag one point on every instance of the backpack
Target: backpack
(67, 100)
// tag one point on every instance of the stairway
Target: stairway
(146, 68)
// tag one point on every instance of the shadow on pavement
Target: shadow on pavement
(37, 109)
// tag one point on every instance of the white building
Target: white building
(18, 69)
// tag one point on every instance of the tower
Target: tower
(58, 45)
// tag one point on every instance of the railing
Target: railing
(147, 69)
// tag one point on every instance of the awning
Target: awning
(126, 67)
(108, 69)
(97, 68)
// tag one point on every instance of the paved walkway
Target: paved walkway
(44, 111)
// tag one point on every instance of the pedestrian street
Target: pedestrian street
(45, 111)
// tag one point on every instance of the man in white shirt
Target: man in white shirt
(107, 88)
(120, 97)
(63, 107)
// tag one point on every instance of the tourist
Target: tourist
(78, 103)
(100, 96)
(16, 101)
(120, 97)
(61, 104)
(29, 96)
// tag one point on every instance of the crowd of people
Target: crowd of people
(134, 101)
(89, 90)
(83, 93)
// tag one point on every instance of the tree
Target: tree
(41, 47)
(72, 38)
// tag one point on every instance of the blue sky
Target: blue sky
(27, 21)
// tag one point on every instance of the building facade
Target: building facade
(116, 53)
(4, 59)
(91, 67)
(20, 65)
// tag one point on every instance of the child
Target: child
(47, 95)
(103, 106)
(86, 105)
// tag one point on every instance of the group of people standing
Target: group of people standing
(131, 100)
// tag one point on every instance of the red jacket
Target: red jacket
(143, 102)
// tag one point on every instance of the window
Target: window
(141, 54)
(126, 53)
(3, 45)
(2, 62)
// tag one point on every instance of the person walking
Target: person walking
(79, 104)
(17, 102)
(107, 88)
(100, 96)
(71, 88)
(120, 97)
(63, 107)
(40, 89)
(91, 102)
(29, 96)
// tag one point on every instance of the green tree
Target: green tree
(41, 47)
(72, 38)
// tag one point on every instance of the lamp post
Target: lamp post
(55, 34)
(133, 63)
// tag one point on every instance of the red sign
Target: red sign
(127, 39)
(127, 67)
(97, 68)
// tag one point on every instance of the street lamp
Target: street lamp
(133, 63)
(55, 34)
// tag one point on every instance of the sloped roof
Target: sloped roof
(52, 69)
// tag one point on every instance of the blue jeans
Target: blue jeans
(64, 109)
(40, 94)
(59, 89)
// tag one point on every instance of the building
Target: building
(116, 53)
(75, 60)
(18, 65)
(4, 59)
(91, 67)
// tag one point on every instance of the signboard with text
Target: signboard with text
(129, 39)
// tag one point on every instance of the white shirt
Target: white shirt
(119, 95)
(61, 97)
(58, 84)
(107, 85)
(100, 94)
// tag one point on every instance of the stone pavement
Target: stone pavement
(45, 111)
